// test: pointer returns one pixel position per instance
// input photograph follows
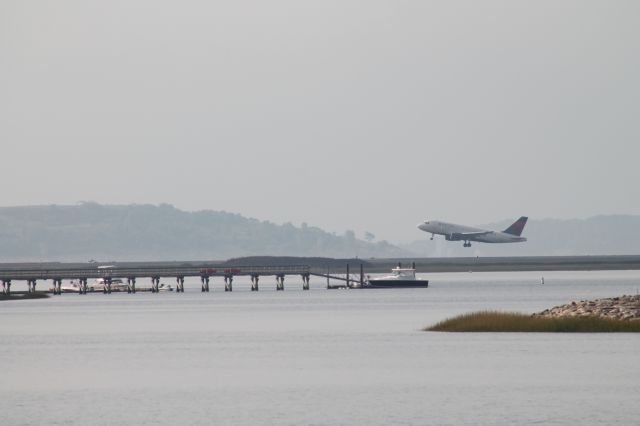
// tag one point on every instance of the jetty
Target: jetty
(133, 272)
(152, 271)
(337, 272)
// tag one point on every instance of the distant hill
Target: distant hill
(149, 232)
(162, 232)
(598, 235)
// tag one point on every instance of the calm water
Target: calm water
(316, 357)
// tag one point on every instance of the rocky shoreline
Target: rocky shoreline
(622, 308)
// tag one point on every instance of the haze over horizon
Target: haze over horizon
(419, 238)
(147, 232)
(371, 116)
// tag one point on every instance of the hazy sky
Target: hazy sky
(368, 115)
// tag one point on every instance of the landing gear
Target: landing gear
(466, 244)
(431, 237)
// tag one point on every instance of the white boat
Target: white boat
(165, 287)
(399, 278)
(71, 287)
(117, 284)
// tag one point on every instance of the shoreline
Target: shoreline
(626, 308)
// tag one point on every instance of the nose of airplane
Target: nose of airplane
(421, 226)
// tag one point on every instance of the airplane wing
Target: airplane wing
(470, 234)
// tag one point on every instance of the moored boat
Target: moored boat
(120, 285)
(399, 278)
(117, 284)
(72, 287)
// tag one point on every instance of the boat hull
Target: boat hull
(397, 284)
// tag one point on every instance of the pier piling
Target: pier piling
(131, 285)
(57, 286)
(280, 282)
(328, 274)
(305, 281)
(348, 277)
(205, 283)
(228, 283)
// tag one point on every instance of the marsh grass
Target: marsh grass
(492, 321)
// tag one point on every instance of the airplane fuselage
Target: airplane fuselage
(454, 232)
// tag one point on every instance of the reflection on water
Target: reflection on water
(316, 357)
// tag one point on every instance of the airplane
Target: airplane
(453, 232)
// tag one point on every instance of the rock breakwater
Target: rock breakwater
(622, 308)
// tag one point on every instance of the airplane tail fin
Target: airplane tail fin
(517, 226)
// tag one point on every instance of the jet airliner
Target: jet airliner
(453, 232)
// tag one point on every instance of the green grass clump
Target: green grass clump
(492, 321)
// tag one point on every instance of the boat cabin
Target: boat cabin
(404, 273)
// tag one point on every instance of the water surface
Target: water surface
(316, 357)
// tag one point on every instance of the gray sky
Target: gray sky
(361, 115)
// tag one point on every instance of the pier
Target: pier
(345, 281)
(131, 275)
(282, 269)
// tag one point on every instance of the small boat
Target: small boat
(99, 285)
(120, 285)
(165, 287)
(117, 284)
(399, 278)
(71, 287)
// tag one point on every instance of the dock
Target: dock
(337, 272)
(153, 272)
